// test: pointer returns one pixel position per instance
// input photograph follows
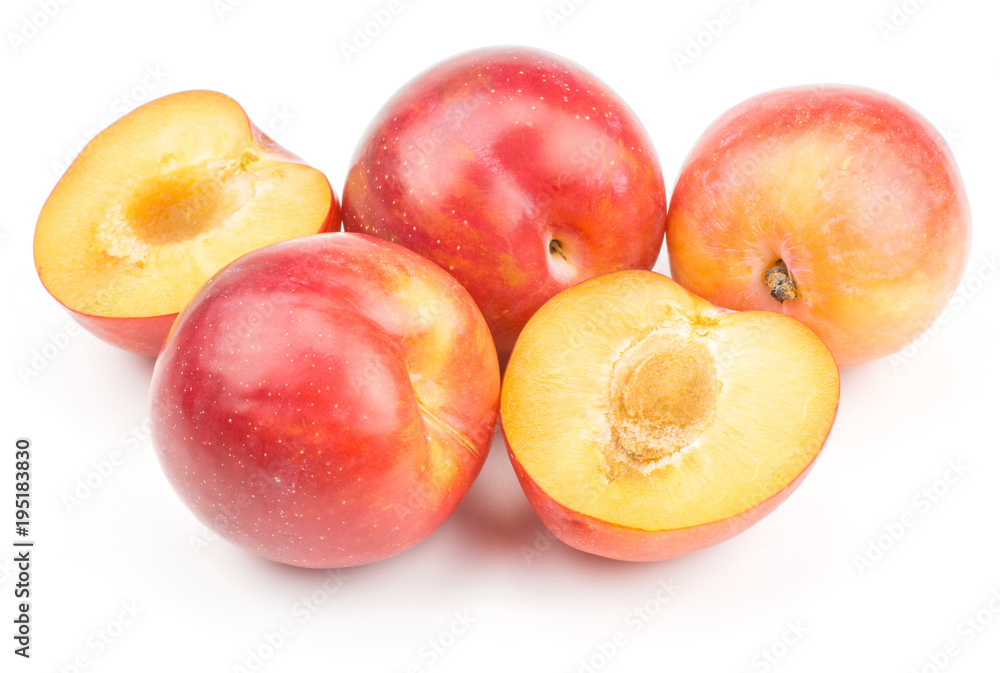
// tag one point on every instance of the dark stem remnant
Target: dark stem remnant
(555, 248)
(779, 282)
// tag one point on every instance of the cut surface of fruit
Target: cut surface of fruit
(165, 197)
(631, 402)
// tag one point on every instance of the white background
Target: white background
(790, 587)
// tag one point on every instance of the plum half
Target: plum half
(160, 201)
(644, 423)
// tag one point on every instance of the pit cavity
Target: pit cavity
(662, 396)
(173, 206)
(176, 206)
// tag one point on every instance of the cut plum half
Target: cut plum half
(644, 423)
(161, 200)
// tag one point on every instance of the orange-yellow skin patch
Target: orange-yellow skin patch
(856, 193)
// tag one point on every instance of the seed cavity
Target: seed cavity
(662, 396)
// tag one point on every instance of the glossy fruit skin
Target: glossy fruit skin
(326, 401)
(145, 335)
(856, 192)
(482, 161)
